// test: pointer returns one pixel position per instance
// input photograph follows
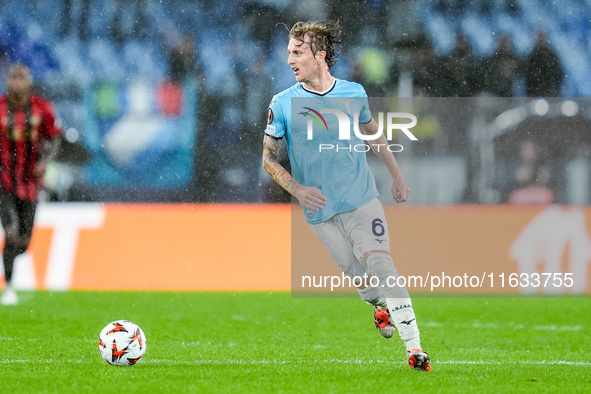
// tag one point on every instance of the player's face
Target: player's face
(301, 60)
(18, 81)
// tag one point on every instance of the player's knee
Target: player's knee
(11, 235)
(381, 265)
(378, 258)
(17, 244)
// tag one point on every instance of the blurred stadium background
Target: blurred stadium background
(165, 101)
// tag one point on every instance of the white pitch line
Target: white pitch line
(524, 362)
(356, 361)
(331, 361)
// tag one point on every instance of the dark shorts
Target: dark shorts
(17, 213)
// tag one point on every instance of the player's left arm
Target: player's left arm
(50, 141)
(310, 197)
(49, 150)
(399, 188)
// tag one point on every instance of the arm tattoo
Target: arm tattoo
(272, 166)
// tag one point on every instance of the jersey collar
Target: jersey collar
(327, 91)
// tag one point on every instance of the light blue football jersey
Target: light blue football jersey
(324, 150)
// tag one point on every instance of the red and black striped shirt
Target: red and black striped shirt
(21, 132)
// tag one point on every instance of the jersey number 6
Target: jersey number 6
(377, 227)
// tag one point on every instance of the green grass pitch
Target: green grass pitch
(270, 342)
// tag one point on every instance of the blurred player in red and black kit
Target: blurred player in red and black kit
(29, 138)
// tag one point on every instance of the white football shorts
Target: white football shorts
(348, 235)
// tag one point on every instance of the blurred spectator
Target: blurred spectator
(503, 69)
(140, 23)
(371, 69)
(309, 9)
(511, 7)
(257, 17)
(462, 76)
(532, 177)
(183, 63)
(256, 89)
(116, 30)
(428, 69)
(543, 73)
(451, 8)
(83, 26)
(68, 19)
(353, 17)
(140, 27)
(4, 58)
(485, 8)
(184, 67)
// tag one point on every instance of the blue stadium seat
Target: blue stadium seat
(480, 33)
(104, 60)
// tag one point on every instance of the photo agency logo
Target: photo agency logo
(348, 126)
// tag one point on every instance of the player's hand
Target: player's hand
(400, 189)
(310, 197)
(39, 170)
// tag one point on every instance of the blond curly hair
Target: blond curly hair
(323, 35)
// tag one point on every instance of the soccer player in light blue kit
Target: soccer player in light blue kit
(335, 186)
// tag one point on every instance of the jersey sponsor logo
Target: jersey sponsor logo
(270, 129)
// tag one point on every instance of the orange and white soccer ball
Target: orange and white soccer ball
(122, 343)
